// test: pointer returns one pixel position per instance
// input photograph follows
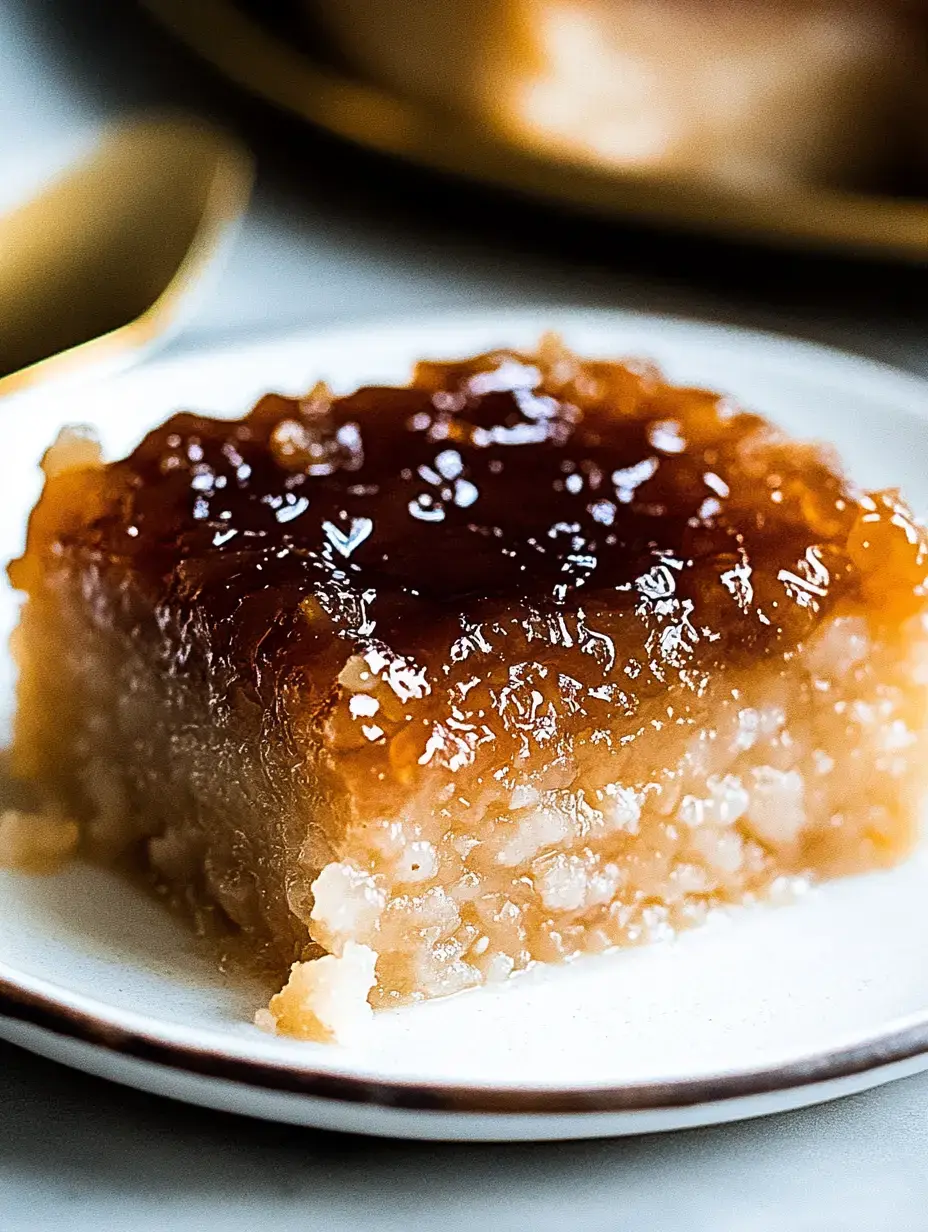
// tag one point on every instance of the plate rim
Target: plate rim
(905, 1041)
(36, 1002)
(543, 315)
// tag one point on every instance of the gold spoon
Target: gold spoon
(98, 265)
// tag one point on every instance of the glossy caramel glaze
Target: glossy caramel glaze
(505, 488)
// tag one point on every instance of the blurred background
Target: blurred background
(758, 161)
(761, 163)
(740, 116)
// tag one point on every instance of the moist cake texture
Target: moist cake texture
(412, 688)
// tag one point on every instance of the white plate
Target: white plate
(761, 1010)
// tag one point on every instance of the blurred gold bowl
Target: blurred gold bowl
(755, 94)
(790, 121)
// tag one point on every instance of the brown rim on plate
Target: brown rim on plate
(37, 1010)
(253, 56)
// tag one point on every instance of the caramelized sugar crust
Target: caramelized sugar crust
(536, 656)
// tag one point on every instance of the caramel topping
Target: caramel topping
(495, 515)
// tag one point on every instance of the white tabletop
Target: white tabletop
(331, 237)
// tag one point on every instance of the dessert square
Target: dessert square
(405, 691)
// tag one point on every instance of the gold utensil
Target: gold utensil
(288, 71)
(100, 263)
